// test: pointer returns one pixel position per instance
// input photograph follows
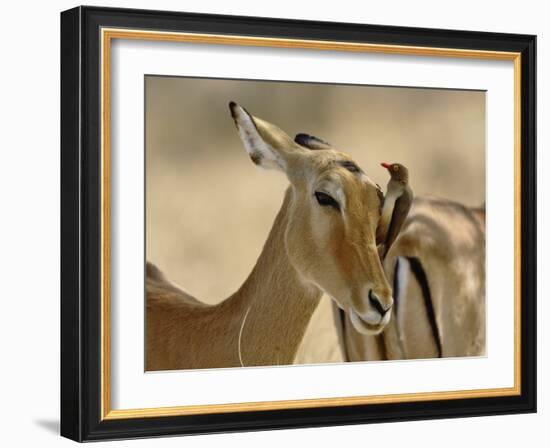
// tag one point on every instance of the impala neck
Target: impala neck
(274, 305)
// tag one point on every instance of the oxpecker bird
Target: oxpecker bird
(397, 204)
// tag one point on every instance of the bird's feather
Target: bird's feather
(400, 211)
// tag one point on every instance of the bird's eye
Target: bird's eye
(325, 200)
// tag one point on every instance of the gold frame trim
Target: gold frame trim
(107, 35)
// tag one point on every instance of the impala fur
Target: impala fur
(322, 241)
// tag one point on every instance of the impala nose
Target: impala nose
(376, 303)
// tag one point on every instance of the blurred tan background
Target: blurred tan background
(209, 209)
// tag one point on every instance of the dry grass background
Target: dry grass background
(209, 209)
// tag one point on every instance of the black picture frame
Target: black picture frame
(81, 224)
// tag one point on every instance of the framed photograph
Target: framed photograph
(272, 223)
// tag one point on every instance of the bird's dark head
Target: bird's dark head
(397, 172)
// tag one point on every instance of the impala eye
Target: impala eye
(324, 199)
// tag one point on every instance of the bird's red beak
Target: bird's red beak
(386, 165)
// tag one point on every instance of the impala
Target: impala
(437, 268)
(322, 241)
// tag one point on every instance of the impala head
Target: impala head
(333, 213)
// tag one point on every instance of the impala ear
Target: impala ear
(380, 231)
(311, 142)
(266, 144)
